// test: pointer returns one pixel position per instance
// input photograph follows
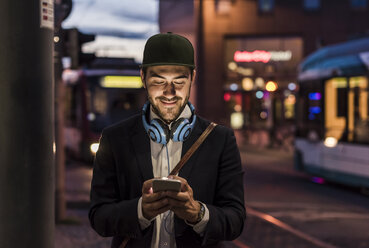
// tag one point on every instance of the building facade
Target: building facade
(251, 50)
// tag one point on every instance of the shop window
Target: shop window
(311, 5)
(359, 4)
(266, 6)
(278, 111)
(289, 107)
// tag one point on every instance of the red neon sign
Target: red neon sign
(255, 56)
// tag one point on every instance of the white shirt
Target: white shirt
(163, 234)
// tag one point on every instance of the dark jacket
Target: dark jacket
(123, 163)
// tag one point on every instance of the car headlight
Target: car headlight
(94, 147)
(330, 142)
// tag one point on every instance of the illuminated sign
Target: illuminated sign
(133, 82)
(262, 56)
(314, 111)
(315, 96)
(227, 97)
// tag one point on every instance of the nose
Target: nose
(169, 89)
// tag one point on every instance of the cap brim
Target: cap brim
(166, 63)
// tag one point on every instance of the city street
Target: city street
(330, 213)
(291, 78)
(285, 208)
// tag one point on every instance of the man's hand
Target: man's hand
(182, 203)
(153, 203)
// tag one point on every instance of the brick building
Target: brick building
(246, 43)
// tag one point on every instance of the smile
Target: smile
(168, 103)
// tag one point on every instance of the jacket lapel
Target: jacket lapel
(141, 144)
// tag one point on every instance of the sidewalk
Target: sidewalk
(75, 231)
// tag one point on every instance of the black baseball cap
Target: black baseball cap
(168, 49)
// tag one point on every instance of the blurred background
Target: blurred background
(290, 77)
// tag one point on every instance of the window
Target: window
(289, 107)
(266, 6)
(341, 102)
(223, 6)
(358, 110)
(311, 5)
(309, 111)
(359, 4)
(71, 100)
(336, 108)
(347, 115)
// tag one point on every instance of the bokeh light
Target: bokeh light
(271, 86)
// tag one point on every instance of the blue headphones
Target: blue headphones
(159, 132)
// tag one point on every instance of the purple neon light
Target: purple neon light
(318, 180)
(315, 96)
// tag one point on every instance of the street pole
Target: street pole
(60, 200)
(62, 9)
(200, 101)
(26, 124)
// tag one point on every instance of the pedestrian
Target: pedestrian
(209, 206)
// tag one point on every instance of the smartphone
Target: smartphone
(166, 184)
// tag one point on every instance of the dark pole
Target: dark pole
(60, 201)
(26, 124)
(200, 97)
(62, 9)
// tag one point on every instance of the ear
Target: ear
(193, 76)
(142, 78)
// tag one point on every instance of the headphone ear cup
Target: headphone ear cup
(157, 130)
(160, 131)
(180, 130)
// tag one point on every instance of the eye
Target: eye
(158, 82)
(179, 82)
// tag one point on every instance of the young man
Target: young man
(210, 205)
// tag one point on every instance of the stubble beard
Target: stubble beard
(168, 115)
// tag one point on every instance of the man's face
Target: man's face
(168, 89)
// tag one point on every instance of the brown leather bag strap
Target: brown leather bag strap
(193, 149)
(124, 242)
